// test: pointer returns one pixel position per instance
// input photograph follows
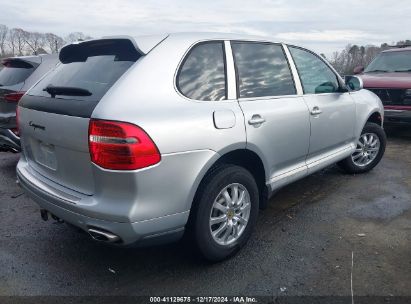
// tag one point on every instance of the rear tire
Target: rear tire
(222, 224)
(369, 151)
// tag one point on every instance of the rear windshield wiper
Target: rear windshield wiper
(377, 71)
(69, 91)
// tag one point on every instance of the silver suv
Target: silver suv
(138, 140)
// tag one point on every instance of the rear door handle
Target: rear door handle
(256, 120)
(316, 111)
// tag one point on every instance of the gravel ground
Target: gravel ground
(303, 244)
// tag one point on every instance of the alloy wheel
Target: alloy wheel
(230, 214)
(367, 149)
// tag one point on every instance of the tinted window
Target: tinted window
(316, 77)
(262, 70)
(15, 72)
(202, 75)
(94, 68)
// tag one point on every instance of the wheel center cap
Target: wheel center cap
(230, 214)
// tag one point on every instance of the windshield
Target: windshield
(391, 62)
(15, 72)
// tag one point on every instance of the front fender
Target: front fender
(367, 103)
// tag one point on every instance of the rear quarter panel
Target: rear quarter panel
(182, 129)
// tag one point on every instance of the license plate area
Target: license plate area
(45, 155)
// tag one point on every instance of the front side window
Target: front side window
(316, 76)
(262, 70)
(202, 75)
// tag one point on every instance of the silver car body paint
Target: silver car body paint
(191, 136)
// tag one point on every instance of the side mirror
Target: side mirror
(358, 70)
(354, 83)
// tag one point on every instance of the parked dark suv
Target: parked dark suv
(16, 77)
(389, 76)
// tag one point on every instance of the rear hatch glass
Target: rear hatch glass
(12, 77)
(15, 72)
(54, 115)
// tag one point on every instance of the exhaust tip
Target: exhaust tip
(103, 236)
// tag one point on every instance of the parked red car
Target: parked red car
(389, 76)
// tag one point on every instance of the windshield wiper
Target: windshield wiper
(377, 71)
(69, 91)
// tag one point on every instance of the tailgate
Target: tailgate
(54, 115)
(56, 146)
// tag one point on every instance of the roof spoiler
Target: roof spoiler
(125, 47)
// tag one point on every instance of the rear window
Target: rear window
(91, 66)
(15, 72)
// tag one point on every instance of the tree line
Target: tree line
(352, 56)
(19, 42)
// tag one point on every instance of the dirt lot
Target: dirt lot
(303, 244)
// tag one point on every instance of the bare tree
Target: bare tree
(4, 30)
(11, 39)
(75, 36)
(54, 42)
(17, 40)
(35, 41)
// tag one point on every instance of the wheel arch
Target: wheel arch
(375, 117)
(369, 108)
(245, 158)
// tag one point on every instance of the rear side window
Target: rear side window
(202, 74)
(316, 76)
(262, 70)
(93, 67)
(15, 72)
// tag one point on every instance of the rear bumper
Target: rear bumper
(397, 117)
(152, 231)
(9, 141)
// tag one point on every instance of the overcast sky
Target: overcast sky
(323, 25)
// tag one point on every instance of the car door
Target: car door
(276, 117)
(332, 109)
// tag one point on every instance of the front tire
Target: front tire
(225, 212)
(369, 151)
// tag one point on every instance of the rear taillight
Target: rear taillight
(121, 146)
(14, 97)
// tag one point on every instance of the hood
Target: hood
(400, 80)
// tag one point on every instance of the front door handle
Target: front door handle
(316, 111)
(256, 120)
